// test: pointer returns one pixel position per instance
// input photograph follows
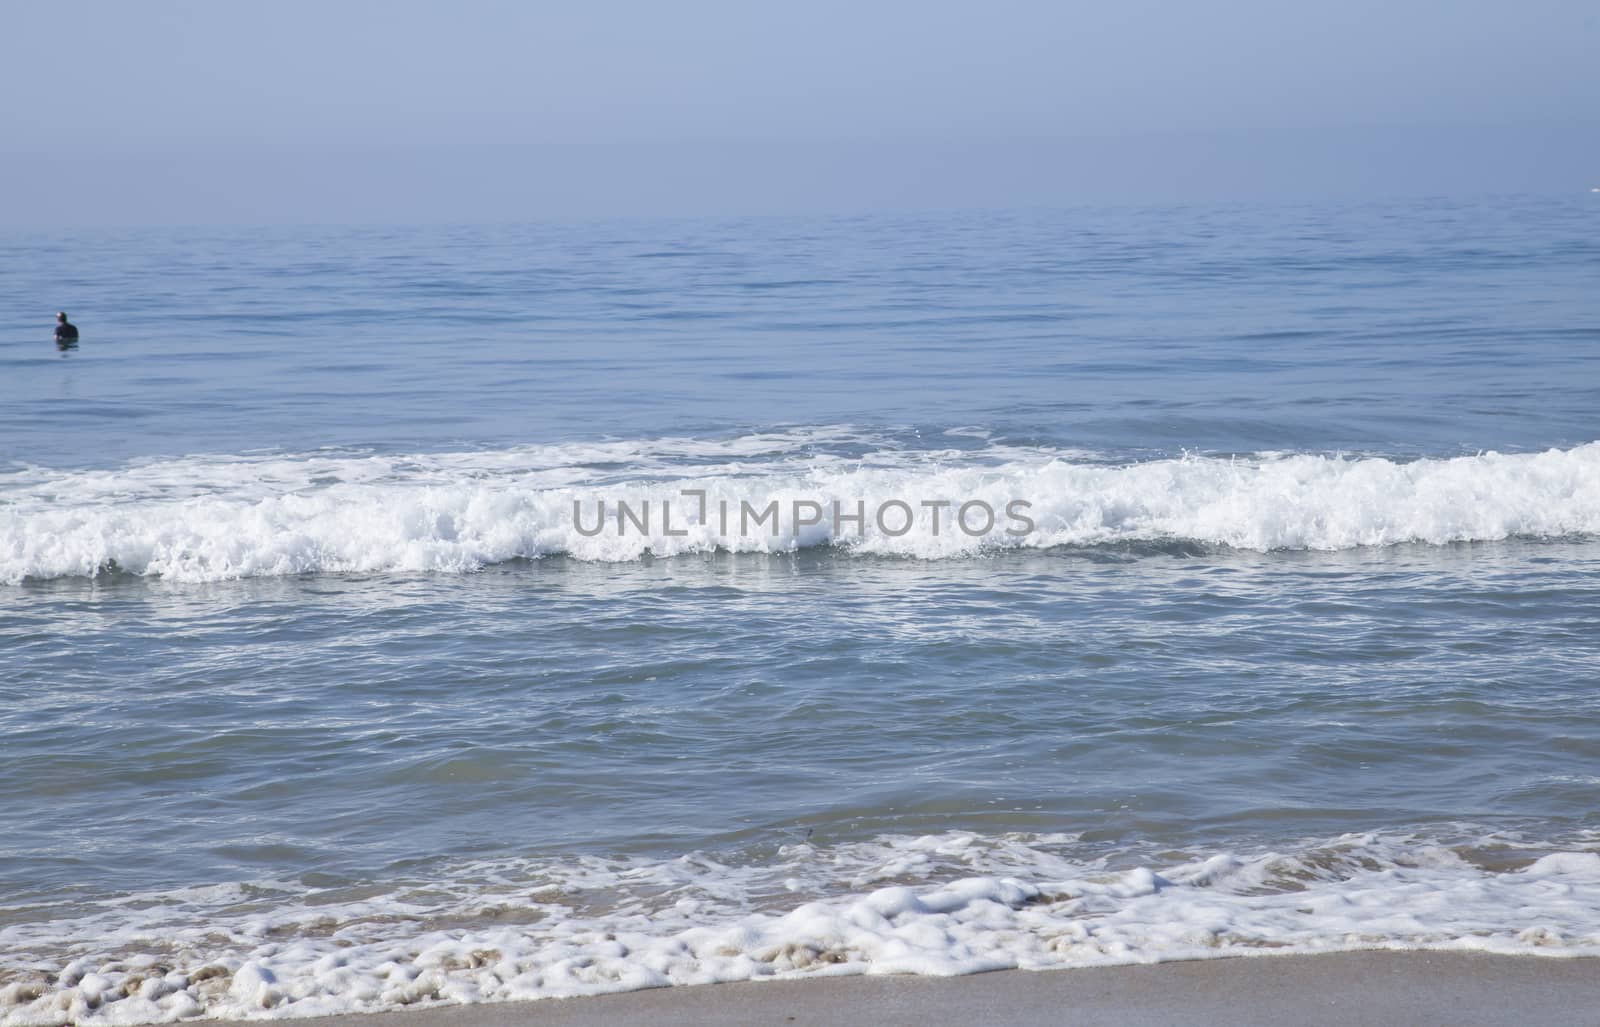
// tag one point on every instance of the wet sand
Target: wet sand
(1341, 988)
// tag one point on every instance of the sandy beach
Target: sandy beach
(1460, 989)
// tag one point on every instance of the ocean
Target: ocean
(403, 615)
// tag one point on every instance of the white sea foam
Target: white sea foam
(938, 905)
(200, 519)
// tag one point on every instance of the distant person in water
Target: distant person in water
(66, 331)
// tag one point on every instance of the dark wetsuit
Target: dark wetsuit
(66, 331)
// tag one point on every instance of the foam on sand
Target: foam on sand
(940, 905)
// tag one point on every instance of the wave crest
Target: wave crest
(204, 519)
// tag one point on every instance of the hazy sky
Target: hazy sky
(156, 101)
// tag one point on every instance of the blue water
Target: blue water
(293, 617)
(1414, 328)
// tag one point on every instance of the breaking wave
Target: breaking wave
(212, 518)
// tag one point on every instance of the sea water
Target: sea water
(334, 676)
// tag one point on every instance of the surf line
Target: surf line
(975, 518)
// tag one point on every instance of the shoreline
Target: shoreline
(1371, 986)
